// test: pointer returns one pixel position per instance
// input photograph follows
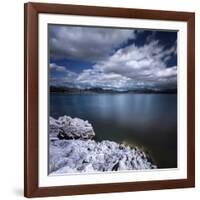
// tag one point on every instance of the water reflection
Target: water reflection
(146, 120)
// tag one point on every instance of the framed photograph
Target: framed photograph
(109, 99)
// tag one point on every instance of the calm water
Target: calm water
(146, 120)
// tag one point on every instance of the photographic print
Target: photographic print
(112, 99)
(108, 99)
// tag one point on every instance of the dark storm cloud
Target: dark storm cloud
(85, 43)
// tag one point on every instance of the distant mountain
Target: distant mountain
(63, 89)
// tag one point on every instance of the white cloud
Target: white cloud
(134, 66)
(65, 76)
(54, 67)
(95, 78)
(129, 67)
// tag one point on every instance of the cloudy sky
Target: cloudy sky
(112, 58)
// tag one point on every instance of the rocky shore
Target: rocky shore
(72, 150)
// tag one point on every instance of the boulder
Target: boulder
(70, 128)
(77, 156)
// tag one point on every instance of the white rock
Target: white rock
(70, 128)
(72, 156)
(67, 155)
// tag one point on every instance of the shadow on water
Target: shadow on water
(148, 121)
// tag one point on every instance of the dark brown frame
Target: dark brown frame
(31, 187)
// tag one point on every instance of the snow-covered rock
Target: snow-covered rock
(90, 156)
(81, 155)
(70, 128)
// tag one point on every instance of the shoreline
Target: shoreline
(73, 150)
(114, 93)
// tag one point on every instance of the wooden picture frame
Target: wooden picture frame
(31, 102)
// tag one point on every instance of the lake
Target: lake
(148, 121)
